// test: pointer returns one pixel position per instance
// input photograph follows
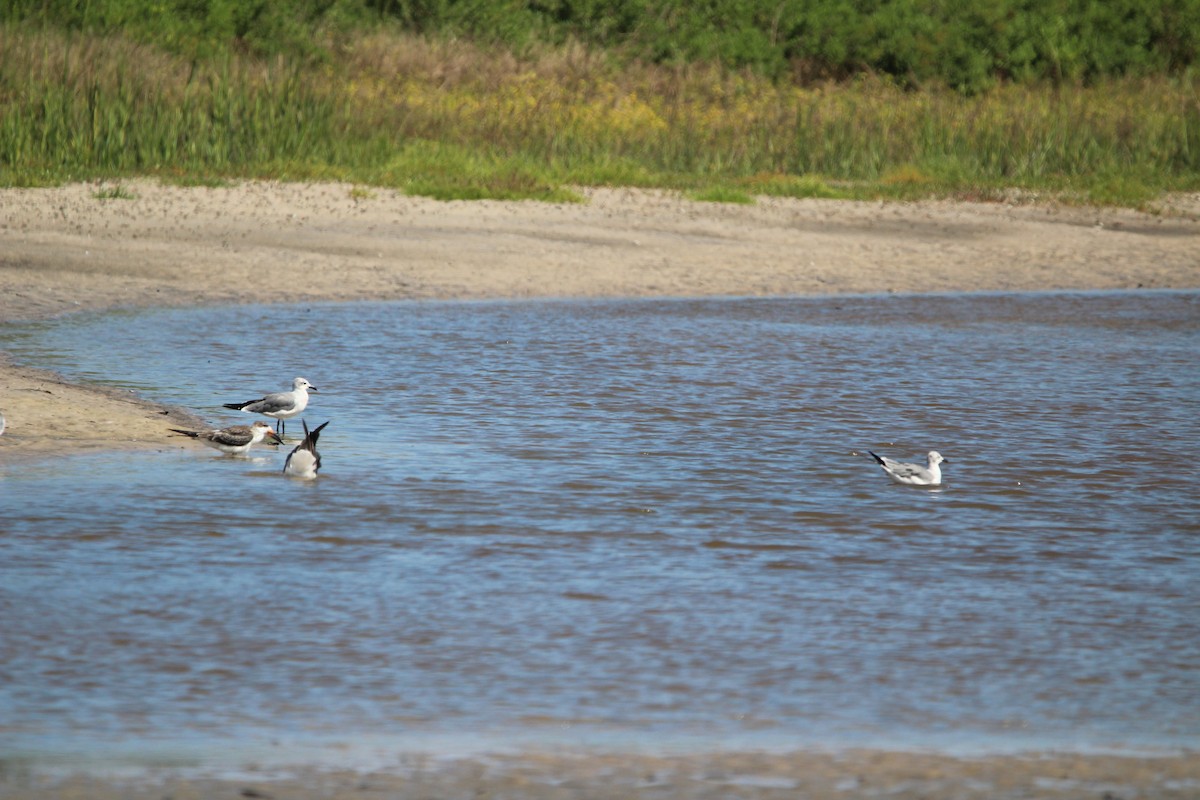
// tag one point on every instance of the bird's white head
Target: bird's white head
(301, 383)
(935, 458)
(267, 431)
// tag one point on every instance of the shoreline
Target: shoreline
(64, 251)
(563, 772)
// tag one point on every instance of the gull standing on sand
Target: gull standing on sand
(914, 474)
(233, 440)
(304, 461)
(280, 405)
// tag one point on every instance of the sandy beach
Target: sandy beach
(65, 250)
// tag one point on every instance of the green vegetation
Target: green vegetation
(117, 192)
(727, 99)
(967, 44)
(722, 194)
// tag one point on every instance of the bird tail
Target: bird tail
(310, 437)
(238, 406)
(877, 458)
(193, 434)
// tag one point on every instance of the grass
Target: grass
(117, 192)
(190, 180)
(722, 194)
(455, 122)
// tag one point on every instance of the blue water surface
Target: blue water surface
(624, 522)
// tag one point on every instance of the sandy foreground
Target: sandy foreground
(759, 776)
(65, 250)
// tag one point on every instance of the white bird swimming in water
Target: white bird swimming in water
(235, 439)
(280, 405)
(304, 461)
(914, 474)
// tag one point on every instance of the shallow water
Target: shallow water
(636, 523)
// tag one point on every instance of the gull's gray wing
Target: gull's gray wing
(902, 471)
(273, 403)
(909, 470)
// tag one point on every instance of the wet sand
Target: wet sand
(64, 250)
(847, 775)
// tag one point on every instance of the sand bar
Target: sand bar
(64, 250)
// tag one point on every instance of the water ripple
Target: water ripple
(645, 516)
